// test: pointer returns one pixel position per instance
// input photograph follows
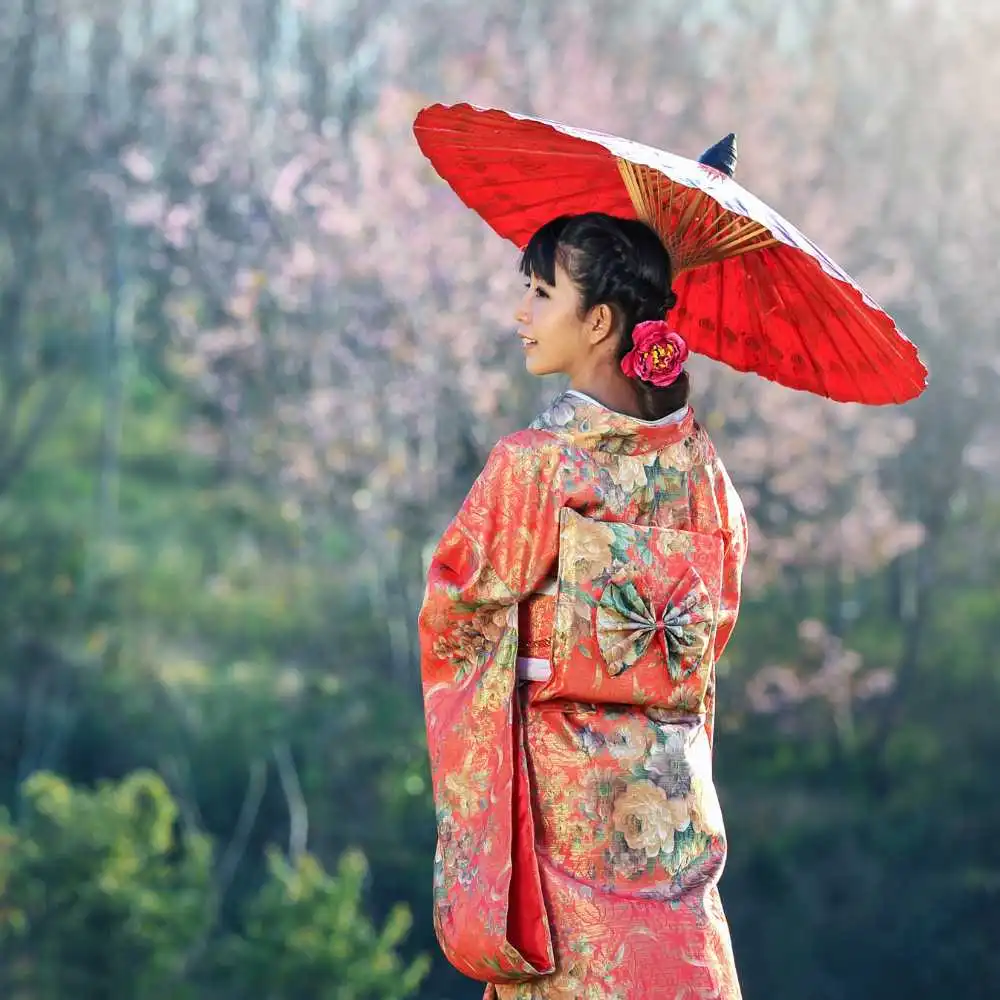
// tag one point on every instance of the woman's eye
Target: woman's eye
(541, 293)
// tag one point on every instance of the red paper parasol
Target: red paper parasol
(753, 292)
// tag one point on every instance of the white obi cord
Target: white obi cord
(532, 668)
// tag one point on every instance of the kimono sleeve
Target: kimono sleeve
(733, 525)
(489, 914)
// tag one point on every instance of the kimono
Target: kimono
(575, 610)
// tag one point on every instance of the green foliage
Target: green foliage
(45, 577)
(103, 895)
(305, 935)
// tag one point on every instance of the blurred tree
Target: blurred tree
(253, 353)
(104, 895)
(305, 936)
(100, 896)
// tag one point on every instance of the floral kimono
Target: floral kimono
(575, 611)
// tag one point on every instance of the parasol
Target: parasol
(753, 292)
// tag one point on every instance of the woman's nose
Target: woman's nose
(523, 313)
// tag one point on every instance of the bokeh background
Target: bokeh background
(252, 354)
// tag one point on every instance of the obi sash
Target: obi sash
(535, 621)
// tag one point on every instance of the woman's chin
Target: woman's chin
(536, 366)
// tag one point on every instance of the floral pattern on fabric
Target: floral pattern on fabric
(580, 838)
(611, 576)
(627, 624)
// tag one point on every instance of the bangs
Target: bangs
(540, 255)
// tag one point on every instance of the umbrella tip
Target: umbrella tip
(721, 156)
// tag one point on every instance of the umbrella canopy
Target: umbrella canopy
(753, 292)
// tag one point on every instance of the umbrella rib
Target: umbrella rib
(747, 235)
(692, 206)
(761, 281)
(847, 300)
(737, 222)
(721, 312)
(893, 343)
(822, 319)
(712, 255)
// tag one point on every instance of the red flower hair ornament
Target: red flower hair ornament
(658, 354)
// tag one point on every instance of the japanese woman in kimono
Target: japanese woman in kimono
(575, 610)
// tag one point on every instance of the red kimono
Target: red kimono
(575, 611)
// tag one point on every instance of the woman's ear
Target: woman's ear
(600, 323)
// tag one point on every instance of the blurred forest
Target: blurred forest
(252, 354)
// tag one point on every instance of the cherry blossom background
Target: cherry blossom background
(253, 352)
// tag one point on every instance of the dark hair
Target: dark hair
(621, 263)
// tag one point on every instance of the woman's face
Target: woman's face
(552, 333)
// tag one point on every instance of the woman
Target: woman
(575, 611)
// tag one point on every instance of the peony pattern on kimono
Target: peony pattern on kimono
(580, 838)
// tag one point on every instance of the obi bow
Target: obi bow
(627, 624)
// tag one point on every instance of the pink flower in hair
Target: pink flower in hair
(658, 354)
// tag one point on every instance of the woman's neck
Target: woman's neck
(616, 394)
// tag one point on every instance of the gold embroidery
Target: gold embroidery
(618, 856)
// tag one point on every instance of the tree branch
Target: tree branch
(236, 848)
(298, 810)
(228, 864)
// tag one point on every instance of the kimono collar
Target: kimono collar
(586, 423)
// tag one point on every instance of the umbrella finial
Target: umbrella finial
(722, 155)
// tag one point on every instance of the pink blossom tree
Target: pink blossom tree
(348, 322)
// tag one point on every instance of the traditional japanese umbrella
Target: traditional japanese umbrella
(753, 292)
